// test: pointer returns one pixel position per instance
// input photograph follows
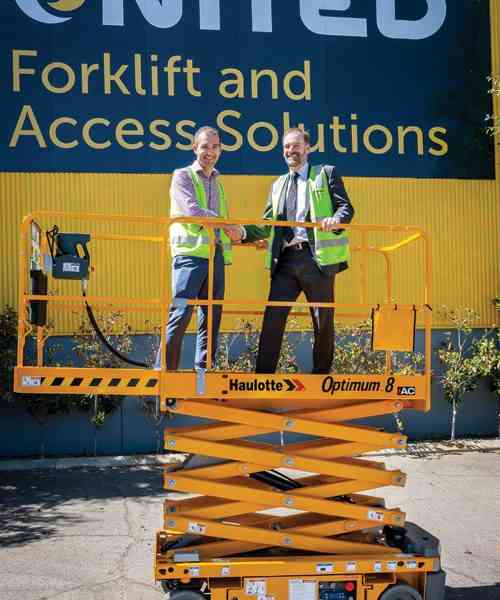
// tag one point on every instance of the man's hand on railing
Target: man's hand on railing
(329, 223)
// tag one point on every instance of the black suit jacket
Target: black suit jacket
(342, 210)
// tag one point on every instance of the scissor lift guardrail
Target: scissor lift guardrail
(237, 503)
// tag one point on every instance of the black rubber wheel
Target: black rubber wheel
(399, 591)
(168, 585)
(186, 595)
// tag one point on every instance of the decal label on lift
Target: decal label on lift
(28, 381)
(324, 568)
(266, 385)
(197, 528)
(255, 587)
(300, 589)
(374, 515)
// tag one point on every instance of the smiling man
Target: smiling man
(197, 192)
(303, 259)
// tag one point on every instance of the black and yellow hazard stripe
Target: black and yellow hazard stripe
(78, 381)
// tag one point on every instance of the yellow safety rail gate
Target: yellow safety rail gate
(321, 522)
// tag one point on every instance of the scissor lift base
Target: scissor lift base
(310, 577)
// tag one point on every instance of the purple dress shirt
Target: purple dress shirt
(183, 193)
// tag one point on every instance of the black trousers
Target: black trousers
(297, 272)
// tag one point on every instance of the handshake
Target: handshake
(234, 232)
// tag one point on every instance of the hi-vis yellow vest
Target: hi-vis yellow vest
(192, 239)
(329, 248)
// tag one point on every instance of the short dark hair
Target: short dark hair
(205, 129)
(303, 132)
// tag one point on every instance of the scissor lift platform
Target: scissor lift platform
(295, 520)
(248, 516)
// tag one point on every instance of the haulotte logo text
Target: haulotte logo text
(322, 17)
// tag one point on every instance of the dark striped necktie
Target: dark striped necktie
(291, 206)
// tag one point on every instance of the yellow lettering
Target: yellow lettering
(17, 71)
(171, 70)
(122, 130)
(154, 75)
(354, 135)
(256, 75)
(139, 88)
(238, 82)
(86, 71)
(53, 133)
(388, 139)
(180, 129)
(35, 131)
(86, 133)
(319, 146)
(402, 133)
(115, 77)
(287, 122)
(305, 78)
(70, 78)
(336, 126)
(190, 73)
(443, 145)
(223, 126)
(154, 128)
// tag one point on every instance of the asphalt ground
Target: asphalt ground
(84, 529)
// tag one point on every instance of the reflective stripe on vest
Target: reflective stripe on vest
(329, 248)
(189, 239)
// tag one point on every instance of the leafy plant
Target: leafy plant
(150, 405)
(465, 357)
(494, 127)
(90, 352)
(8, 351)
(8, 359)
(87, 350)
(237, 351)
(488, 353)
(354, 354)
(40, 408)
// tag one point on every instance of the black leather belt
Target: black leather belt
(299, 247)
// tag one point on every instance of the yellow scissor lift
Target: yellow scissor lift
(248, 517)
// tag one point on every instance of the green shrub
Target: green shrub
(466, 358)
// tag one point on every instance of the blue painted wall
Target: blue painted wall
(427, 67)
(129, 431)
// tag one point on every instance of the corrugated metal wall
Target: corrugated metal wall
(461, 217)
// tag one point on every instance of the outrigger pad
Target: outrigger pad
(393, 328)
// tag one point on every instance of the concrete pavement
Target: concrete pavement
(86, 531)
